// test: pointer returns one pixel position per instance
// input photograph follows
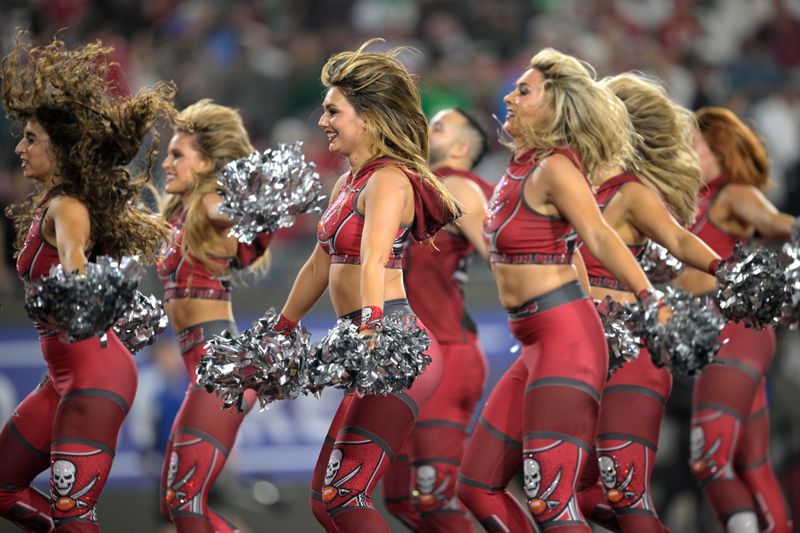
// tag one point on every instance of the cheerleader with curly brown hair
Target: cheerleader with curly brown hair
(78, 138)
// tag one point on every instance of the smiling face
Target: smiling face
(525, 102)
(709, 163)
(183, 164)
(38, 161)
(345, 129)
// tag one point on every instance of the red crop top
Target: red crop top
(341, 225)
(37, 256)
(517, 234)
(715, 237)
(186, 276)
(599, 276)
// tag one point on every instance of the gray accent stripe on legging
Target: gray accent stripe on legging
(15, 432)
(471, 482)
(12, 488)
(728, 410)
(625, 436)
(499, 434)
(189, 514)
(341, 509)
(740, 365)
(558, 436)
(100, 393)
(631, 510)
(564, 382)
(758, 414)
(61, 521)
(441, 423)
(638, 389)
(750, 466)
(316, 495)
(202, 435)
(552, 524)
(434, 460)
(409, 401)
(371, 436)
(80, 440)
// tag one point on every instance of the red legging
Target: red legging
(730, 431)
(366, 435)
(627, 440)
(542, 414)
(202, 436)
(420, 486)
(70, 424)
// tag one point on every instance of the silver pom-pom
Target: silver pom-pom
(688, 341)
(794, 233)
(272, 364)
(623, 345)
(343, 360)
(142, 325)
(263, 192)
(659, 265)
(752, 287)
(790, 315)
(82, 305)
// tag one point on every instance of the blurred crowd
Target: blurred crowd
(264, 57)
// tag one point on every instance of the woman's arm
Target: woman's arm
(751, 207)
(473, 206)
(580, 268)
(72, 231)
(650, 216)
(310, 284)
(386, 196)
(567, 190)
(211, 202)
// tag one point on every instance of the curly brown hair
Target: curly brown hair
(94, 134)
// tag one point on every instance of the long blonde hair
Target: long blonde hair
(582, 115)
(664, 158)
(218, 134)
(384, 94)
(741, 153)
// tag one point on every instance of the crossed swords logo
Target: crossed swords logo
(704, 462)
(329, 492)
(68, 503)
(541, 503)
(174, 489)
(616, 494)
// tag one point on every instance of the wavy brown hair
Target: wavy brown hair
(582, 115)
(664, 158)
(741, 153)
(384, 94)
(218, 134)
(93, 134)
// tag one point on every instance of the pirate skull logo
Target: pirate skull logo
(426, 478)
(332, 488)
(538, 502)
(615, 491)
(697, 442)
(334, 464)
(173, 487)
(65, 475)
(427, 493)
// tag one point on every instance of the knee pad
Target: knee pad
(78, 472)
(193, 464)
(625, 468)
(712, 440)
(354, 467)
(551, 468)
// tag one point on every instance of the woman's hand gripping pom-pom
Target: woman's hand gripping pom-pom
(659, 265)
(623, 345)
(82, 305)
(272, 364)
(688, 341)
(263, 192)
(343, 359)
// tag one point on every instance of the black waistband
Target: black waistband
(204, 332)
(390, 307)
(569, 292)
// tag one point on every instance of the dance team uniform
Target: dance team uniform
(70, 423)
(730, 415)
(630, 414)
(203, 432)
(368, 432)
(543, 411)
(422, 494)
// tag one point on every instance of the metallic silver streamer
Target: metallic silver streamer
(790, 313)
(343, 360)
(263, 192)
(685, 344)
(82, 305)
(659, 265)
(623, 345)
(752, 287)
(142, 325)
(270, 363)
